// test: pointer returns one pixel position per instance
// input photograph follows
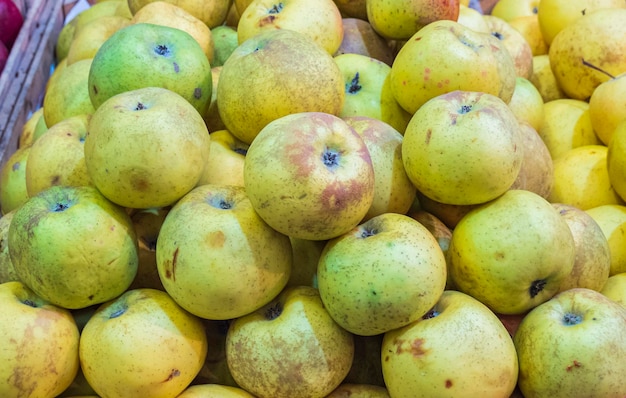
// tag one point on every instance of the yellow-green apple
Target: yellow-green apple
(212, 117)
(527, 103)
(225, 41)
(384, 274)
(510, 9)
(393, 190)
(346, 390)
(13, 191)
(544, 80)
(28, 128)
(566, 125)
(318, 20)
(217, 258)
(573, 345)
(366, 366)
(607, 107)
(581, 178)
(360, 38)
(59, 156)
(463, 148)
(73, 247)
(514, 42)
(146, 147)
(211, 12)
(512, 253)
(149, 55)
(472, 19)
(291, 74)
(224, 165)
(458, 348)
(616, 160)
(142, 344)
(615, 288)
(7, 270)
(147, 224)
(309, 175)
(305, 254)
(422, 68)
(537, 167)
(400, 19)
(39, 344)
(578, 54)
(353, 9)
(91, 36)
(291, 347)
(528, 26)
(612, 221)
(555, 15)
(593, 257)
(214, 391)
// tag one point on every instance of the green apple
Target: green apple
(346, 390)
(445, 56)
(214, 391)
(148, 55)
(225, 41)
(13, 190)
(463, 148)
(309, 175)
(7, 270)
(615, 288)
(39, 352)
(289, 348)
(360, 38)
(512, 253)
(537, 168)
(382, 275)
(73, 247)
(217, 258)
(612, 221)
(458, 349)
(291, 74)
(573, 346)
(226, 159)
(146, 148)
(142, 344)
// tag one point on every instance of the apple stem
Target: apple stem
(592, 66)
(570, 319)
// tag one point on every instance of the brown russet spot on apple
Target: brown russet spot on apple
(299, 155)
(95, 89)
(448, 383)
(416, 347)
(429, 134)
(575, 364)
(170, 266)
(216, 239)
(55, 180)
(173, 373)
(337, 195)
(267, 20)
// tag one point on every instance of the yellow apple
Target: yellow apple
(615, 288)
(13, 189)
(515, 44)
(612, 221)
(607, 107)
(537, 167)
(224, 165)
(528, 26)
(543, 79)
(527, 103)
(28, 129)
(214, 391)
(211, 12)
(473, 19)
(90, 37)
(616, 159)
(510, 9)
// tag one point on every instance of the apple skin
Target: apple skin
(607, 107)
(460, 348)
(226, 160)
(573, 345)
(13, 189)
(537, 168)
(514, 42)
(350, 390)
(381, 275)
(527, 103)
(11, 21)
(212, 12)
(615, 288)
(310, 176)
(217, 258)
(612, 221)
(73, 247)
(290, 347)
(142, 344)
(40, 344)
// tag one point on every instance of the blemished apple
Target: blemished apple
(73, 247)
(309, 175)
(573, 345)
(512, 253)
(39, 352)
(217, 258)
(146, 148)
(384, 274)
(291, 347)
(142, 344)
(459, 348)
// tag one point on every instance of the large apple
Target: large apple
(289, 348)
(217, 258)
(573, 346)
(382, 275)
(459, 348)
(142, 344)
(73, 247)
(148, 55)
(39, 352)
(146, 147)
(463, 148)
(309, 175)
(512, 253)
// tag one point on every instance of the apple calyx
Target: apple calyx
(497, 35)
(58, 207)
(354, 87)
(220, 203)
(570, 319)
(536, 287)
(368, 231)
(30, 303)
(465, 109)
(140, 106)
(330, 157)
(118, 312)
(276, 8)
(431, 314)
(241, 151)
(273, 311)
(163, 50)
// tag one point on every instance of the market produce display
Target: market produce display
(330, 198)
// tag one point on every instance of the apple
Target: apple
(13, 191)
(7, 270)
(11, 21)
(527, 103)
(305, 254)
(309, 175)
(446, 56)
(616, 160)
(146, 148)
(360, 38)
(318, 20)
(226, 160)
(573, 345)
(472, 19)
(514, 42)
(28, 128)
(291, 74)
(510, 9)
(290, 347)
(356, 9)
(212, 117)
(449, 214)
(400, 19)
(73, 247)
(382, 275)
(214, 391)
(607, 107)
(458, 348)
(225, 41)
(142, 344)
(88, 39)
(147, 224)
(211, 12)
(512, 253)
(612, 220)
(537, 169)
(615, 288)
(346, 390)
(544, 80)
(217, 258)
(528, 26)
(40, 344)
(148, 55)
(463, 148)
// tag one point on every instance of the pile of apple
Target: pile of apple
(300, 198)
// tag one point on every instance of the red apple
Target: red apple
(11, 21)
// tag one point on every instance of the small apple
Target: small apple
(607, 107)
(11, 21)
(510, 9)
(537, 167)
(212, 12)
(226, 160)
(360, 38)
(573, 346)
(515, 44)
(615, 288)
(28, 128)
(527, 103)
(291, 347)
(13, 190)
(7, 270)
(224, 42)
(612, 220)
(543, 79)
